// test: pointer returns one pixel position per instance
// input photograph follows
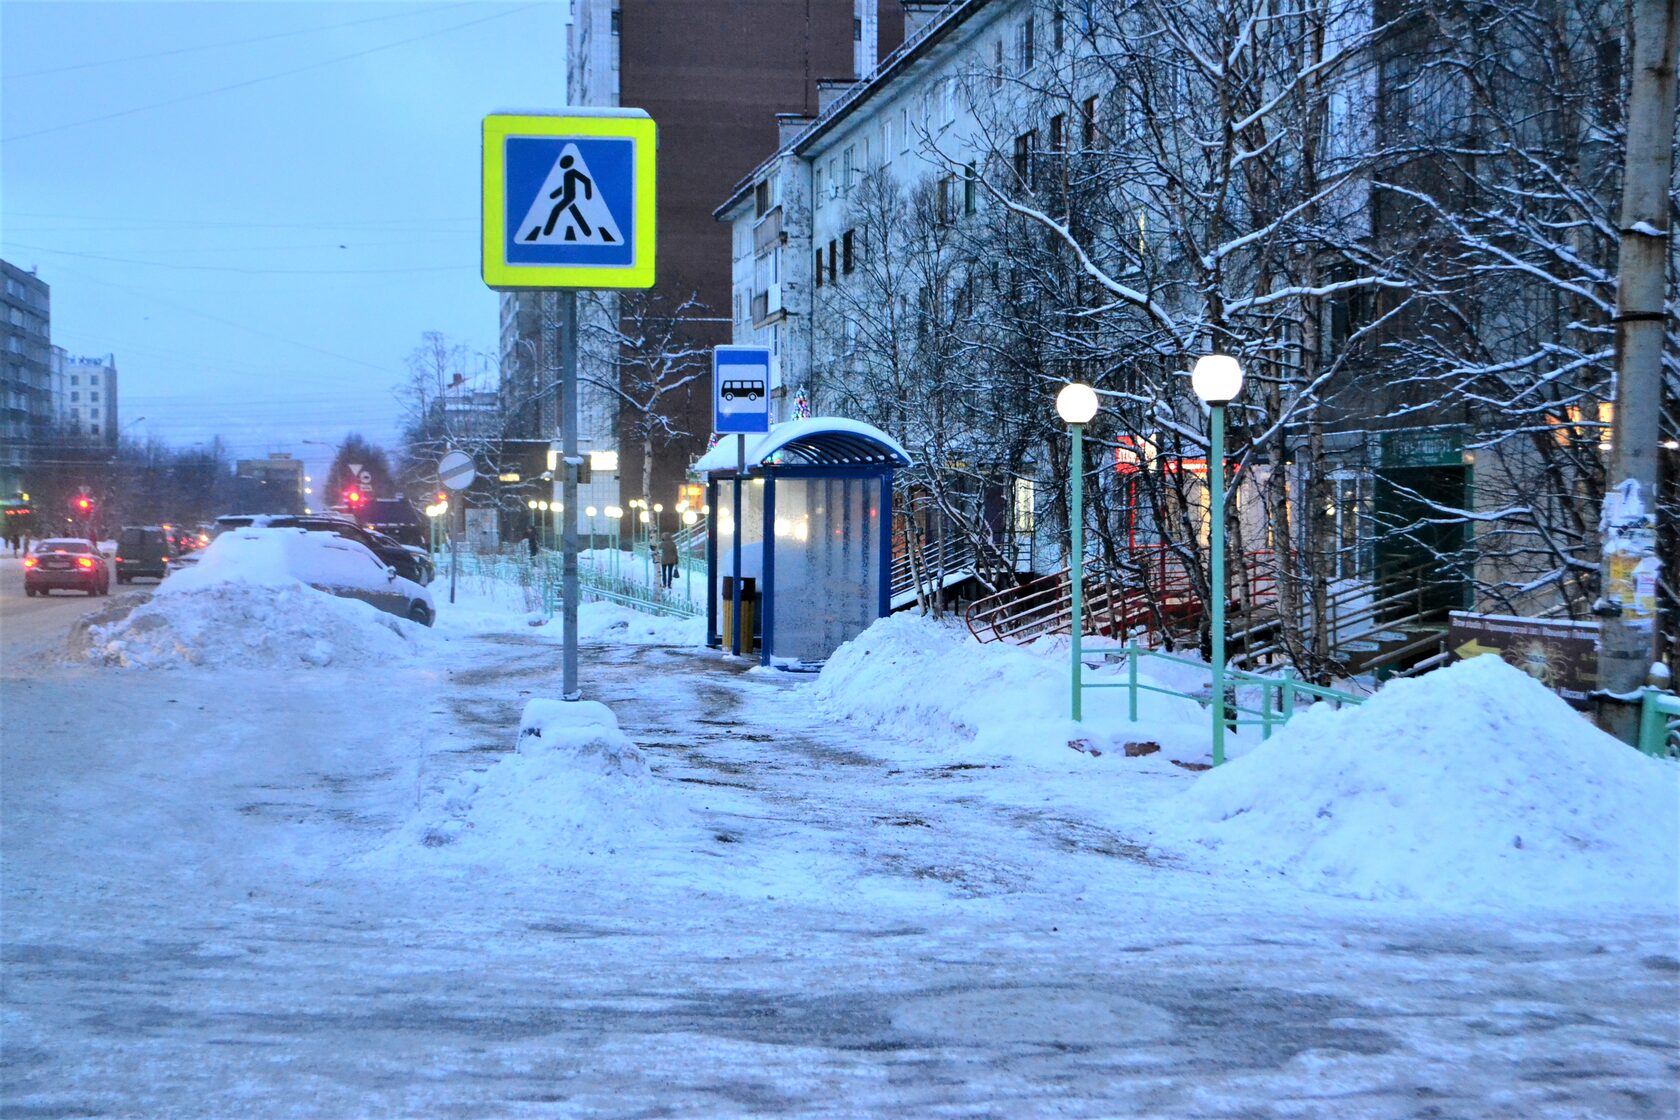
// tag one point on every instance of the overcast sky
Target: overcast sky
(259, 207)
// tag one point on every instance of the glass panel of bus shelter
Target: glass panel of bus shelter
(828, 557)
(752, 537)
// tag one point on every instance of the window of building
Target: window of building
(865, 164)
(846, 257)
(997, 64)
(616, 20)
(886, 142)
(1058, 27)
(1028, 47)
(904, 128)
(94, 397)
(819, 267)
(819, 200)
(1024, 505)
(848, 168)
(833, 261)
(75, 379)
(75, 396)
(93, 429)
(948, 102)
(942, 197)
(761, 199)
(835, 186)
(970, 188)
(1088, 122)
(1058, 133)
(1023, 158)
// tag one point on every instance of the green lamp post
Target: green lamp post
(1217, 379)
(1076, 404)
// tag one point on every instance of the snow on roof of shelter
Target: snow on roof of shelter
(825, 441)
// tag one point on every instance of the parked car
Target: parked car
(65, 564)
(145, 550)
(409, 563)
(324, 560)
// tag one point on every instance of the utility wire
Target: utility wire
(226, 43)
(262, 78)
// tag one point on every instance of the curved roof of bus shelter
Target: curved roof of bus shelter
(816, 441)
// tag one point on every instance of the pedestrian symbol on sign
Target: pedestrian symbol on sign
(568, 209)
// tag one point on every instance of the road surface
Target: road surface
(194, 926)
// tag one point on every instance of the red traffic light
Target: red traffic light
(84, 504)
(353, 497)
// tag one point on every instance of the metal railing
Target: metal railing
(1659, 724)
(1279, 697)
(952, 555)
(543, 575)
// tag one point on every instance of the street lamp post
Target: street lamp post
(1076, 404)
(1217, 379)
(615, 521)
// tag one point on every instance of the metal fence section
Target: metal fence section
(540, 576)
(1275, 702)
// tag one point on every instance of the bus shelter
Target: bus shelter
(805, 524)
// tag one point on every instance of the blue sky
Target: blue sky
(259, 207)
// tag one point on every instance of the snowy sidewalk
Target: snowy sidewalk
(204, 918)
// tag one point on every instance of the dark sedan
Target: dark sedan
(65, 564)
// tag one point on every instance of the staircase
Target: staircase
(938, 571)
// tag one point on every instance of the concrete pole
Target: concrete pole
(567, 405)
(1628, 637)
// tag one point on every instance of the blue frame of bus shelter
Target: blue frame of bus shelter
(767, 594)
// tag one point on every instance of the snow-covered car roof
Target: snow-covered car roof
(52, 543)
(286, 556)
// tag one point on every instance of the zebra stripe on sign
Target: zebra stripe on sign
(455, 470)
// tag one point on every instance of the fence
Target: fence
(1659, 724)
(542, 577)
(1278, 696)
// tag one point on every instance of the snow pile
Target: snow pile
(1471, 784)
(609, 622)
(242, 606)
(577, 789)
(241, 625)
(931, 680)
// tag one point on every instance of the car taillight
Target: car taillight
(30, 561)
(166, 559)
(118, 559)
(84, 561)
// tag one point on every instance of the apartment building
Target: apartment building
(89, 396)
(27, 411)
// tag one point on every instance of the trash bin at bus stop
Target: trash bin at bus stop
(749, 615)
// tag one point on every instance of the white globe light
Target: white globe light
(589, 510)
(1076, 403)
(542, 505)
(530, 503)
(1217, 378)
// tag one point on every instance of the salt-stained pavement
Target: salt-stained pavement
(208, 913)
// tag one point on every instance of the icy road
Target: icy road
(203, 917)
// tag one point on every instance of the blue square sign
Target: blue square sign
(570, 201)
(740, 389)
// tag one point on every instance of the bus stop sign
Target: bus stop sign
(740, 389)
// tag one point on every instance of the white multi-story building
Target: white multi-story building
(914, 116)
(89, 398)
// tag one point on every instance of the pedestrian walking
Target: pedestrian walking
(531, 540)
(667, 558)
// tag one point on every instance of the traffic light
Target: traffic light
(353, 498)
(83, 505)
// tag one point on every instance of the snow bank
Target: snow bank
(241, 605)
(576, 790)
(1471, 784)
(930, 680)
(610, 622)
(242, 625)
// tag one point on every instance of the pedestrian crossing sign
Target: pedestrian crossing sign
(569, 200)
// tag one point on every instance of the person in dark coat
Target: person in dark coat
(667, 558)
(531, 539)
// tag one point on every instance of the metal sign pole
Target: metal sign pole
(454, 555)
(568, 492)
(740, 519)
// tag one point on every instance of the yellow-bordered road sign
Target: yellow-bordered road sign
(569, 199)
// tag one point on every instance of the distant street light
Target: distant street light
(1217, 379)
(1076, 404)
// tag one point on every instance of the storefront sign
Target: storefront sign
(1560, 654)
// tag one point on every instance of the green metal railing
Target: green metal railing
(1659, 724)
(1278, 700)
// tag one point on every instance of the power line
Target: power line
(225, 43)
(247, 271)
(262, 78)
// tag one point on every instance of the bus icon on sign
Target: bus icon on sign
(752, 390)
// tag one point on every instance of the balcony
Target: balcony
(767, 306)
(767, 232)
